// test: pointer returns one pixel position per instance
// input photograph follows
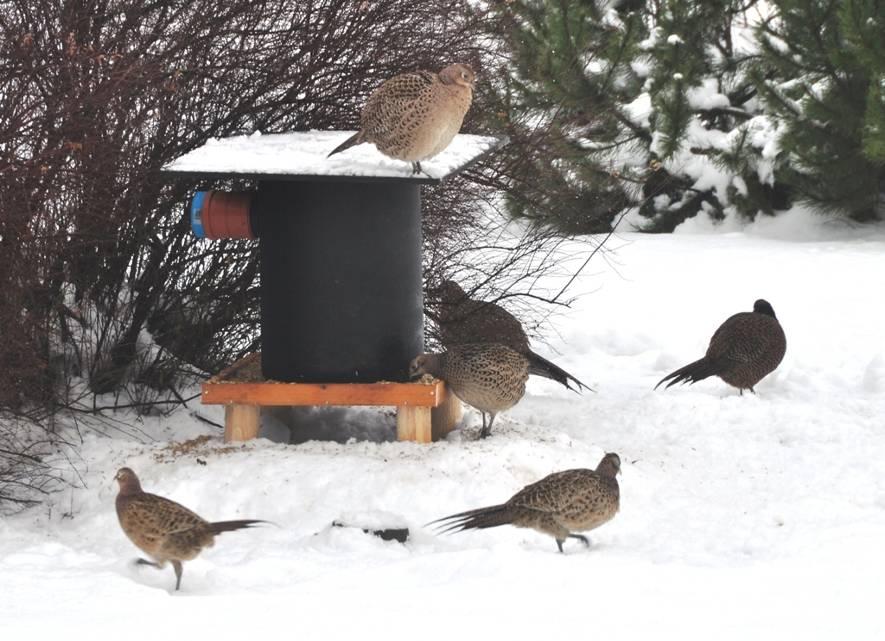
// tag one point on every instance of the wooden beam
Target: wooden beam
(413, 424)
(393, 394)
(445, 416)
(241, 422)
(243, 392)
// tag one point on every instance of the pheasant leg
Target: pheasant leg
(583, 539)
(176, 565)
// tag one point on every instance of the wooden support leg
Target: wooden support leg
(241, 422)
(413, 424)
(446, 416)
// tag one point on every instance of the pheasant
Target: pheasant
(165, 530)
(414, 116)
(560, 504)
(745, 349)
(488, 376)
(461, 319)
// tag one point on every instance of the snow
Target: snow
(743, 517)
(706, 173)
(304, 153)
(612, 19)
(639, 110)
(764, 134)
(641, 67)
(592, 66)
(654, 37)
(706, 95)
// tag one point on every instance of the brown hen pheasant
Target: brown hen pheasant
(487, 376)
(414, 116)
(165, 530)
(560, 504)
(746, 348)
(461, 319)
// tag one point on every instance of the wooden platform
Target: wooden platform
(424, 410)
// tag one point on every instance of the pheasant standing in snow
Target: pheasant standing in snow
(488, 376)
(461, 319)
(745, 349)
(164, 529)
(414, 116)
(560, 504)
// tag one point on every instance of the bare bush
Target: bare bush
(109, 300)
(96, 97)
(30, 464)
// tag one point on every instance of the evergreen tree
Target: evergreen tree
(822, 77)
(675, 107)
(615, 105)
(702, 110)
(565, 102)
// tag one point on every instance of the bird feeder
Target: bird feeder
(340, 248)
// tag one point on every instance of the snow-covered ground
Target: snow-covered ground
(754, 517)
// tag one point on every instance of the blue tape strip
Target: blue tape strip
(197, 214)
